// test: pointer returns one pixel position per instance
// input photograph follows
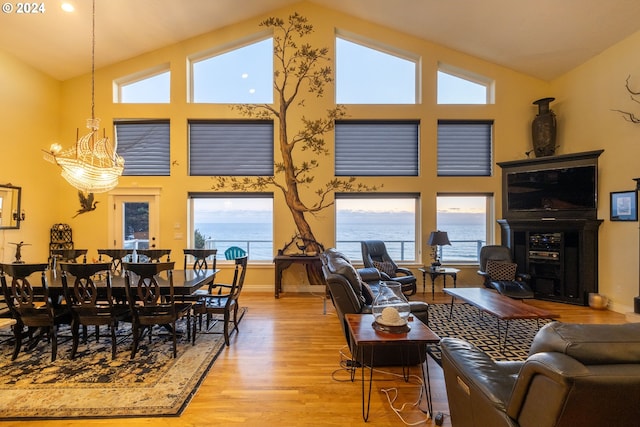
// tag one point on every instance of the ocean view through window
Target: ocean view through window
(387, 218)
(224, 221)
(464, 218)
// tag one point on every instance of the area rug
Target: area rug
(481, 329)
(93, 385)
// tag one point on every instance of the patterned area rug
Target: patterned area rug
(93, 385)
(481, 330)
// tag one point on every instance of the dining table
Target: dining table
(185, 282)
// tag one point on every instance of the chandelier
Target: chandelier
(92, 165)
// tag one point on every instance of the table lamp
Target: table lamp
(437, 238)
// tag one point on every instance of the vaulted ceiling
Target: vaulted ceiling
(542, 38)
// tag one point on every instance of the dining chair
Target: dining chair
(116, 256)
(225, 303)
(154, 255)
(234, 252)
(149, 307)
(199, 257)
(67, 255)
(32, 306)
(91, 301)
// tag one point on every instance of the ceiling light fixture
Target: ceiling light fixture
(67, 7)
(92, 165)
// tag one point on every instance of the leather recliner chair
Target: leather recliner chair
(575, 375)
(375, 255)
(353, 291)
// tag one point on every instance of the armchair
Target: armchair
(575, 375)
(499, 273)
(375, 255)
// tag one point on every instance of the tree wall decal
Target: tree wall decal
(300, 70)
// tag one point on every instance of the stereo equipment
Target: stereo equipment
(545, 246)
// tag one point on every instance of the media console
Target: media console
(555, 242)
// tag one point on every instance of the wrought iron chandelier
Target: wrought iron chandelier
(92, 165)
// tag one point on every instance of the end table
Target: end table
(434, 272)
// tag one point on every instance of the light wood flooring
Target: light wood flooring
(284, 369)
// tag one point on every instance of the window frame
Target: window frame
(470, 76)
(121, 82)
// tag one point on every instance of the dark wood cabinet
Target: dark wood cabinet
(549, 206)
(560, 255)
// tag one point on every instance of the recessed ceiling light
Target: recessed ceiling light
(67, 7)
(252, 91)
(245, 75)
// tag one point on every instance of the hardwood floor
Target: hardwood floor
(284, 368)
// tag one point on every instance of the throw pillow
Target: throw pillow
(500, 270)
(386, 267)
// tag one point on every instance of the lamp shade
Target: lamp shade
(438, 238)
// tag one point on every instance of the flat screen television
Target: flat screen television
(562, 187)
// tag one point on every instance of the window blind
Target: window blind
(464, 148)
(380, 148)
(231, 148)
(144, 145)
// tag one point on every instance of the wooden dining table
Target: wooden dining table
(185, 282)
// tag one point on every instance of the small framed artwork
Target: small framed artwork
(624, 206)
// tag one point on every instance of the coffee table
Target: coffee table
(363, 334)
(499, 306)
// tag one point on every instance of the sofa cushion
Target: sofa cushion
(500, 270)
(590, 344)
(386, 267)
(338, 264)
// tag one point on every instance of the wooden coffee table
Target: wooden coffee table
(363, 334)
(499, 306)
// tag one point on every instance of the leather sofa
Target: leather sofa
(353, 291)
(575, 375)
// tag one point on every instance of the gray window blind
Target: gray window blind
(144, 145)
(231, 148)
(380, 148)
(464, 148)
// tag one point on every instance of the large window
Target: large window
(149, 86)
(374, 74)
(377, 148)
(465, 147)
(465, 219)
(231, 148)
(242, 75)
(388, 217)
(219, 221)
(458, 86)
(144, 145)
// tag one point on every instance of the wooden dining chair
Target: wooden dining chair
(153, 255)
(200, 257)
(32, 306)
(116, 256)
(225, 303)
(91, 301)
(149, 307)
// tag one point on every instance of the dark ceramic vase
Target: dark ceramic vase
(543, 129)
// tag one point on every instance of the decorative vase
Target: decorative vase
(390, 309)
(543, 129)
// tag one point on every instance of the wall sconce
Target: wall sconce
(19, 216)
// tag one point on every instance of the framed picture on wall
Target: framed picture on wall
(624, 206)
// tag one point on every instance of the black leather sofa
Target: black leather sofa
(575, 375)
(352, 291)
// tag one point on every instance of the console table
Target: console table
(283, 262)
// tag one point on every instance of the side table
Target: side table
(363, 334)
(434, 273)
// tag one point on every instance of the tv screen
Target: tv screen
(569, 188)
